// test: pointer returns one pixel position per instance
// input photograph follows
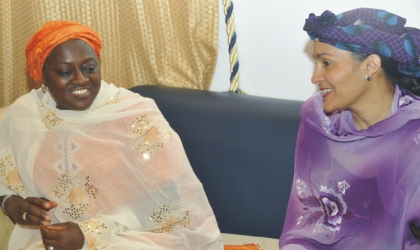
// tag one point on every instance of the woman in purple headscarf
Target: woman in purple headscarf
(357, 167)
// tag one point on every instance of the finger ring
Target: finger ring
(24, 216)
(50, 248)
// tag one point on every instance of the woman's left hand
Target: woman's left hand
(66, 236)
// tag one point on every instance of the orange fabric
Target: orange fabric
(242, 247)
(52, 34)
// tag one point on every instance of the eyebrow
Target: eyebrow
(321, 55)
(89, 59)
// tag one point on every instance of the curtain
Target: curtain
(145, 42)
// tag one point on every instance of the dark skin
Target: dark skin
(72, 74)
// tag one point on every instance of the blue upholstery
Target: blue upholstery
(241, 148)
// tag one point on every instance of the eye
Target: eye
(326, 63)
(64, 73)
(89, 69)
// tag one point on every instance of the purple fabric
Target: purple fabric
(369, 31)
(355, 189)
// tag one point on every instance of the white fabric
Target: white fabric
(117, 168)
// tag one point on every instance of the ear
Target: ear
(372, 64)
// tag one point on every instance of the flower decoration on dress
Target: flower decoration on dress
(9, 174)
(327, 209)
(343, 186)
(333, 207)
(51, 120)
(148, 138)
(96, 234)
(75, 194)
(300, 186)
(168, 217)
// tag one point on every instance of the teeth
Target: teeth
(79, 91)
(326, 91)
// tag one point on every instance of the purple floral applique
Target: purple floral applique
(342, 186)
(327, 209)
(300, 186)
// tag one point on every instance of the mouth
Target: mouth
(80, 92)
(325, 91)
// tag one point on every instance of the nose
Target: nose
(79, 78)
(317, 76)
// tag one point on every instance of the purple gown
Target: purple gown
(355, 189)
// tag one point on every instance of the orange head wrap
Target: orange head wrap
(52, 34)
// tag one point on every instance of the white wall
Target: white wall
(275, 54)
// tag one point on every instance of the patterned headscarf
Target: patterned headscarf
(52, 34)
(369, 31)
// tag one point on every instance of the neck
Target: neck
(376, 110)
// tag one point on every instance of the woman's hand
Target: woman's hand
(63, 236)
(33, 209)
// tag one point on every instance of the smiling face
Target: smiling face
(340, 78)
(72, 75)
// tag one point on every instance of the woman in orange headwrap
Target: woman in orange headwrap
(84, 164)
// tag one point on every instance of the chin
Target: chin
(329, 110)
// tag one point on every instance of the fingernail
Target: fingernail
(47, 217)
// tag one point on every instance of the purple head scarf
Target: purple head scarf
(369, 31)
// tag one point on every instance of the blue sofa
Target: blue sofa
(242, 149)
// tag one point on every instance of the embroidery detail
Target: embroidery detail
(113, 100)
(300, 186)
(51, 120)
(67, 148)
(168, 217)
(343, 186)
(417, 139)
(95, 234)
(76, 195)
(10, 174)
(327, 210)
(147, 138)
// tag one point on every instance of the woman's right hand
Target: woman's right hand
(35, 208)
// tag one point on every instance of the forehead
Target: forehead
(324, 49)
(71, 50)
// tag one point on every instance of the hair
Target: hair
(390, 68)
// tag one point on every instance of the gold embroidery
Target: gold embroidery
(168, 217)
(10, 174)
(148, 139)
(5, 163)
(113, 100)
(51, 120)
(139, 126)
(77, 195)
(151, 135)
(94, 232)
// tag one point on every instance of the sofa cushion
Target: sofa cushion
(241, 147)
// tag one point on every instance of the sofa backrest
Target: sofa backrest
(241, 148)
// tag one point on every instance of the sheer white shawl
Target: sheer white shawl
(117, 169)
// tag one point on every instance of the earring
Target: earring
(44, 88)
(368, 78)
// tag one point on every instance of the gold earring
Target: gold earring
(44, 88)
